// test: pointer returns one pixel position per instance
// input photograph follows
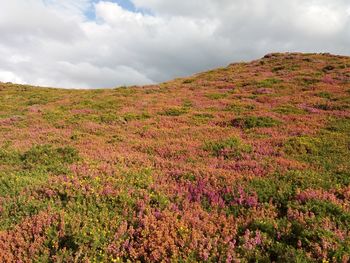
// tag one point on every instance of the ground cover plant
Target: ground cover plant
(248, 163)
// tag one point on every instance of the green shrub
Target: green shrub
(140, 179)
(187, 103)
(187, 81)
(308, 81)
(340, 125)
(21, 206)
(325, 95)
(323, 208)
(254, 122)
(288, 109)
(282, 252)
(216, 96)
(278, 68)
(228, 148)
(108, 118)
(329, 150)
(328, 68)
(301, 146)
(9, 157)
(269, 82)
(159, 200)
(306, 179)
(134, 116)
(84, 229)
(12, 182)
(330, 107)
(54, 116)
(49, 158)
(265, 226)
(240, 108)
(124, 91)
(203, 116)
(174, 112)
(271, 188)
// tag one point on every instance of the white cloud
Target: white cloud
(71, 8)
(113, 14)
(321, 20)
(7, 76)
(53, 43)
(15, 59)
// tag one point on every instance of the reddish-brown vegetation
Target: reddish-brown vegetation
(248, 163)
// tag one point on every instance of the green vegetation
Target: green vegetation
(174, 112)
(325, 95)
(49, 158)
(288, 109)
(216, 96)
(248, 163)
(229, 148)
(188, 81)
(240, 108)
(267, 83)
(250, 122)
(330, 107)
(136, 117)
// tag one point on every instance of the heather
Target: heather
(247, 163)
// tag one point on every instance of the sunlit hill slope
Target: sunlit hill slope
(247, 163)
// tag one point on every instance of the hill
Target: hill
(247, 163)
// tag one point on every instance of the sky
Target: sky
(105, 44)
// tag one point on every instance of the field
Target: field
(247, 163)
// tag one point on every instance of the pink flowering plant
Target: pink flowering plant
(248, 163)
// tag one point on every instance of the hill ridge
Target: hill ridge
(275, 55)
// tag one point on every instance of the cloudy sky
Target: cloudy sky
(94, 43)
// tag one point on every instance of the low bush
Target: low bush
(173, 112)
(239, 108)
(136, 117)
(288, 109)
(49, 158)
(216, 96)
(250, 122)
(229, 148)
(266, 83)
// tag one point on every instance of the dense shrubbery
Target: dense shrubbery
(174, 112)
(250, 122)
(231, 147)
(288, 109)
(47, 156)
(250, 163)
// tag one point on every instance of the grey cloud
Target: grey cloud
(24, 21)
(52, 43)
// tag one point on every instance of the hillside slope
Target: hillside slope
(250, 162)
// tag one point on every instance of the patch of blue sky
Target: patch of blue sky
(125, 4)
